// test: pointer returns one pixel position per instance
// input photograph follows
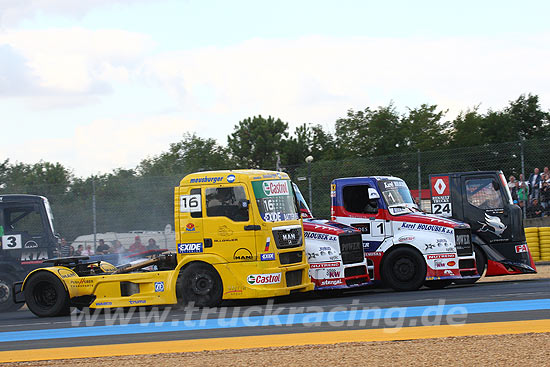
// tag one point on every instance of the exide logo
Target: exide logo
(275, 188)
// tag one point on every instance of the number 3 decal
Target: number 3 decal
(11, 242)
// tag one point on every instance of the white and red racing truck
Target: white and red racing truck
(405, 248)
(334, 251)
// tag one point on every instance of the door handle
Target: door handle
(207, 242)
(252, 227)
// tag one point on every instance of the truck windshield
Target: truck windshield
(275, 200)
(397, 196)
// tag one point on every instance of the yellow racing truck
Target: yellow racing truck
(238, 233)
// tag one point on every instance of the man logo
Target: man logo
(243, 254)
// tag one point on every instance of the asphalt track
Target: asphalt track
(361, 315)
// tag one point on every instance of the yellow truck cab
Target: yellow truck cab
(238, 234)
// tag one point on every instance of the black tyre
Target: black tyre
(200, 284)
(6, 295)
(45, 295)
(481, 263)
(404, 269)
(438, 284)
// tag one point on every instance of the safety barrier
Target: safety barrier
(538, 240)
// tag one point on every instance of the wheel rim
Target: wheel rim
(202, 284)
(404, 269)
(45, 295)
(4, 292)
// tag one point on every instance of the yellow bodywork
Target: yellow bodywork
(242, 250)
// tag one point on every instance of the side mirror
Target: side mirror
(373, 194)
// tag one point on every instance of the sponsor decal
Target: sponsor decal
(159, 286)
(363, 227)
(493, 225)
(137, 301)
(376, 253)
(231, 178)
(429, 246)
(243, 254)
(226, 240)
(289, 237)
(82, 283)
(406, 239)
(187, 248)
(103, 303)
(441, 256)
(225, 231)
(392, 184)
(206, 179)
(106, 267)
(320, 236)
(439, 264)
(324, 265)
(329, 282)
(66, 273)
(31, 244)
(190, 227)
(451, 263)
(521, 248)
(425, 227)
(267, 242)
(234, 289)
(267, 257)
(34, 255)
(275, 188)
(332, 190)
(448, 272)
(255, 279)
(333, 273)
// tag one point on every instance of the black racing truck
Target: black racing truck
(482, 199)
(27, 238)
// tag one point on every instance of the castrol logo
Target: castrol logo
(255, 279)
(275, 188)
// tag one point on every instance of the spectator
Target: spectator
(71, 251)
(102, 248)
(88, 251)
(535, 210)
(64, 248)
(118, 248)
(513, 186)
(152, 244)
(137, 246)
(79, 250)
(545, 191)
(534, 185)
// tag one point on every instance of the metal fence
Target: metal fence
(123, 205)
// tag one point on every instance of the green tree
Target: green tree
(191, 154)
(369, 132)
(468, 129)
(424, 129)
(255, 142)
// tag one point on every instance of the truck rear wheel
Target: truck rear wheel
(404, 269)
(200, 284)
(45, 295)
(6, 296)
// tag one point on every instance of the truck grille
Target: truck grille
(293, 278)
(290, 257)
(463, 240)
(351, 248)
(288, 238)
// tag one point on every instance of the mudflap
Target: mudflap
(18, 295)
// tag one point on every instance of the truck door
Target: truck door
(362, 212)
(229, 227)
(485, 208)
(25, 237)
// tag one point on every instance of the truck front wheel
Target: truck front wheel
(45, 295)
(6, 296)
(404, 269)
(200, 284)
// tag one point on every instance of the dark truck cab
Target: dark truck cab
(27, 238)
(482, 199)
